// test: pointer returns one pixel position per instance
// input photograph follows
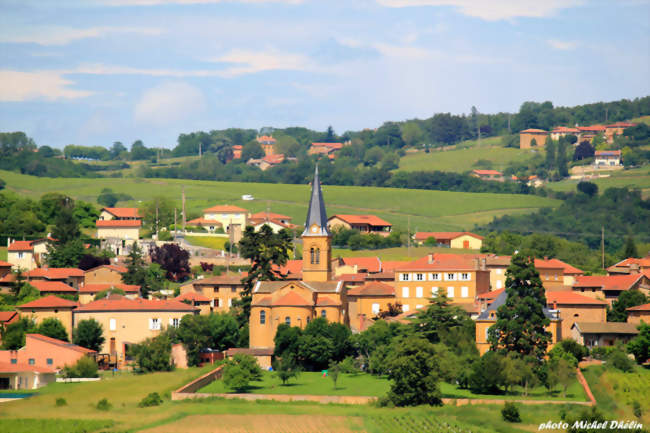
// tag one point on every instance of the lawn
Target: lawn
(426, 210)
(216, 243)
(3, 253)
(642, 119)
(634, 178)
(462, 160)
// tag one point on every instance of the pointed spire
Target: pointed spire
(316, 213)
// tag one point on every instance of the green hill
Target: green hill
(427, 210)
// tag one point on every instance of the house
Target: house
(130, 321)
(493, 175)
(615, 129)
(573, 307)
(532, 180)
(461, 240)
(88, 292)
(222, 216)
(5, 268)
(276, 221)
(488, 318)
(366, 224)
(292, 270)
(356, 265)
(119, 213)
(607, 158)
(563, 131)
(268, 161)
(236, 151)
(21, 255)
(52, 287)
(118, 234)
(603, 334)
(552, 274)
(25, 376)
(7, 318)
(220, 290)
(46, 352)
(267, 143)
(296, 302)
(197, 300)
(590, 132)
(527, 136)
(638, 314)
(324, 148)
(73, 277)
(105, 274)
(461, 279)
(47, 307)
(609, 287)
(367, 301)
(630, 265)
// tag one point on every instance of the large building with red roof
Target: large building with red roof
(50, 306)
(366, 224)
(532, 138)
(223, 217)
(609, 287)
(459, 240)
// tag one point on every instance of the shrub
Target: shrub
(153, 399)
(84, 367)
(636, 407)
(619, 360)
(104, 404)
(61, 402)
(510, 412)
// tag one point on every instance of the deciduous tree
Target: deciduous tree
(89, 334)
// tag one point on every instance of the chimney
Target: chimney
(430, 259)
(635, 268)
(476, 263)
(555, 304)
(483, 264)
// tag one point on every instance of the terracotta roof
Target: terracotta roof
(96, 288)
(387, 275)
(571, 298)
(117, 268)
(443, 236)
(291, 267)
(608, 153)
(59, 343)
(487, 172)
(494, 260)
(644, 307)
(391, 265)
(314, 286)
(55, 273)
(608, 282)
(270, 215)
(328, 145)
(274, 159)
(261, 221)
(349, 278)
(606, 328)
(219, 279)
(6, 367)
(441, 262)
(374, 288)
(557, 264)
(291, 299)
(204, 221)
(52, 286)
(118, 223)
(226, 208)
(534, 131)
(20, 246)
(361, 219)
(644, 262)
(9, 278)
(7, 317)
(120, 303)
(123, 212)
(370, 264)
(565, 129)
(325, 301)
(238, 147)
(469, 307)
(592, 128)
(490, 295)
(192, 296)
(50, 301)
(4, 264)
(621, 125)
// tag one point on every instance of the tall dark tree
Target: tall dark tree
(89, 334)
(550, 152)
(330, 135)
(561, 159)
(438, 319)
(589, 188)
(627, 299)
(583, 150)
(521, 322)
(136, 270)
(630, 249)
(253, 150)
(67, 248)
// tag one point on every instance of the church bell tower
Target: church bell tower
(316, 239)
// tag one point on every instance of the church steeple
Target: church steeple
(316, 238)
(316, 215)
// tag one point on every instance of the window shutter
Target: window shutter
(151, 324)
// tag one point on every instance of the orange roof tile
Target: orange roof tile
(442, 262)
(291, 267)
(20, 246)
(361, 219)
(571, 298)
(292, 299)
(352, 277)
(6, 367)
(123, 212)
(7, 317)
(644, 262)
(369, 264)
(593, 128)
(391, 265)
(226, 208)
(621, 125)
(52, 286)
(204, 221)
(116, 268)
(325, 301)
(328, 145)
(557, 264)
(4, 264)
(59, 343)
(274, 159)
(270, 215)
(644, 307)
(490, 295)
(50, 301)
(55, 273)
(192, 296)
(120, 303)
(565, 129)
(534, 131)
(118, 223)
(487, 172)
(608, 282)
(443, 236)
(98, 287)
(374, 288)
(266, 138)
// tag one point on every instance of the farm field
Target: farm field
(635, 178)
(642, 119)
(3, 253)
(427, 210)
(216, 243)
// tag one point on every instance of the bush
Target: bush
(84, 367)
(61, 402)
(510, 412)
(636, 407)
(153, 399)
(103, 404)
(619, 360)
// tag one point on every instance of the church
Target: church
(297, 302)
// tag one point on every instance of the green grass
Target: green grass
(216, 243)
(427, 210)
(462, 160)
(399, 253)
(3, 253)
(575, 392)
(31, 425)
(642, 119)
(634, 178)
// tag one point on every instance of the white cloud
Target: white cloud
(169, 103)
(23, 86)
(405, 51)
(250, 62)
(187, 2)
(562, 45)
(65, 35)
(493, 10)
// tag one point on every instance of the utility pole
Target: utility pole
(606, 113)
(602, 244)
(200, 149)
(183, 210)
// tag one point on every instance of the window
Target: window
(174, 322)
(112, 324)
(323, 314)
(486, 333)
(465, 276)
(20, 255)
(450, 292)
(317, 256)
(451, 276)
(233, 289)
(435, 277)
(375, 308)
(404, 277)
(499, 271)
(405, 292)
(434, 291)
(312, 253)
(49, 361)
(464, 292)
(405, 308)
(229, 302)
(32, 361)
(418, 292)
(14, 361)
(262, 317)
(287, 320)
(154, 324)
(419, 277)
(417, 307)
(217, 302)
(499, 284)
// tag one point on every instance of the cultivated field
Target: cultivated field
(427, 210)
(635, 178)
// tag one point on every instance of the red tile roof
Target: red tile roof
(325, 301)
(292, 267)
(7, 317)
(6, 367)
(644, 307)
(557, 264)
(370, 264)
(59, 343)
(274, 159)
(443, 236)
(120, 303)
(20, 246)
(52, 286)
(621, 125)
(391, 265)
(50, 301)
(226, 208)
(116, 268)
(270, 215)
(203, 221)
(352, 277)
(571, 298)
(487, 172)
(490, 295)
(533, 131)
(123, 212)
(98, 287)
(644, 262)
(608, 153)
(118, 223)
(192, 296)
(608, 282)
(374, 288)
(361, 219)
(291, 299)
(335, 146)
(266, 138)
(55, 273)
(4, 264)
(565, 129)
(592, 128)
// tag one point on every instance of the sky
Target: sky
(91, 72)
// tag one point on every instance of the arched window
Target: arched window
(313, 254)
(323, 313)
(317, 255)
(287, 320)
(262, 317)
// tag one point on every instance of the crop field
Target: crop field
(634, 178)
(426, 210)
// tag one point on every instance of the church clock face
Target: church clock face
(314, 229)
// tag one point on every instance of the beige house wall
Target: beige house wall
(637, 317)
(526, 138)
(497, 277)
(226, 219)
(40, 314)
(21, 260)
(580, 313)
(473, 243)
(102, 275)
(129, 234)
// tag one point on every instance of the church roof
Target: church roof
(314, 286)
(316, 213)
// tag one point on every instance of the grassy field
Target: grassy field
(635, 178)
(397, 254)
(207, 242)
(642, 119)
(462, 160)
(427, 210)
(3, 253)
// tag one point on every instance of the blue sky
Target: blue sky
(96, 71)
